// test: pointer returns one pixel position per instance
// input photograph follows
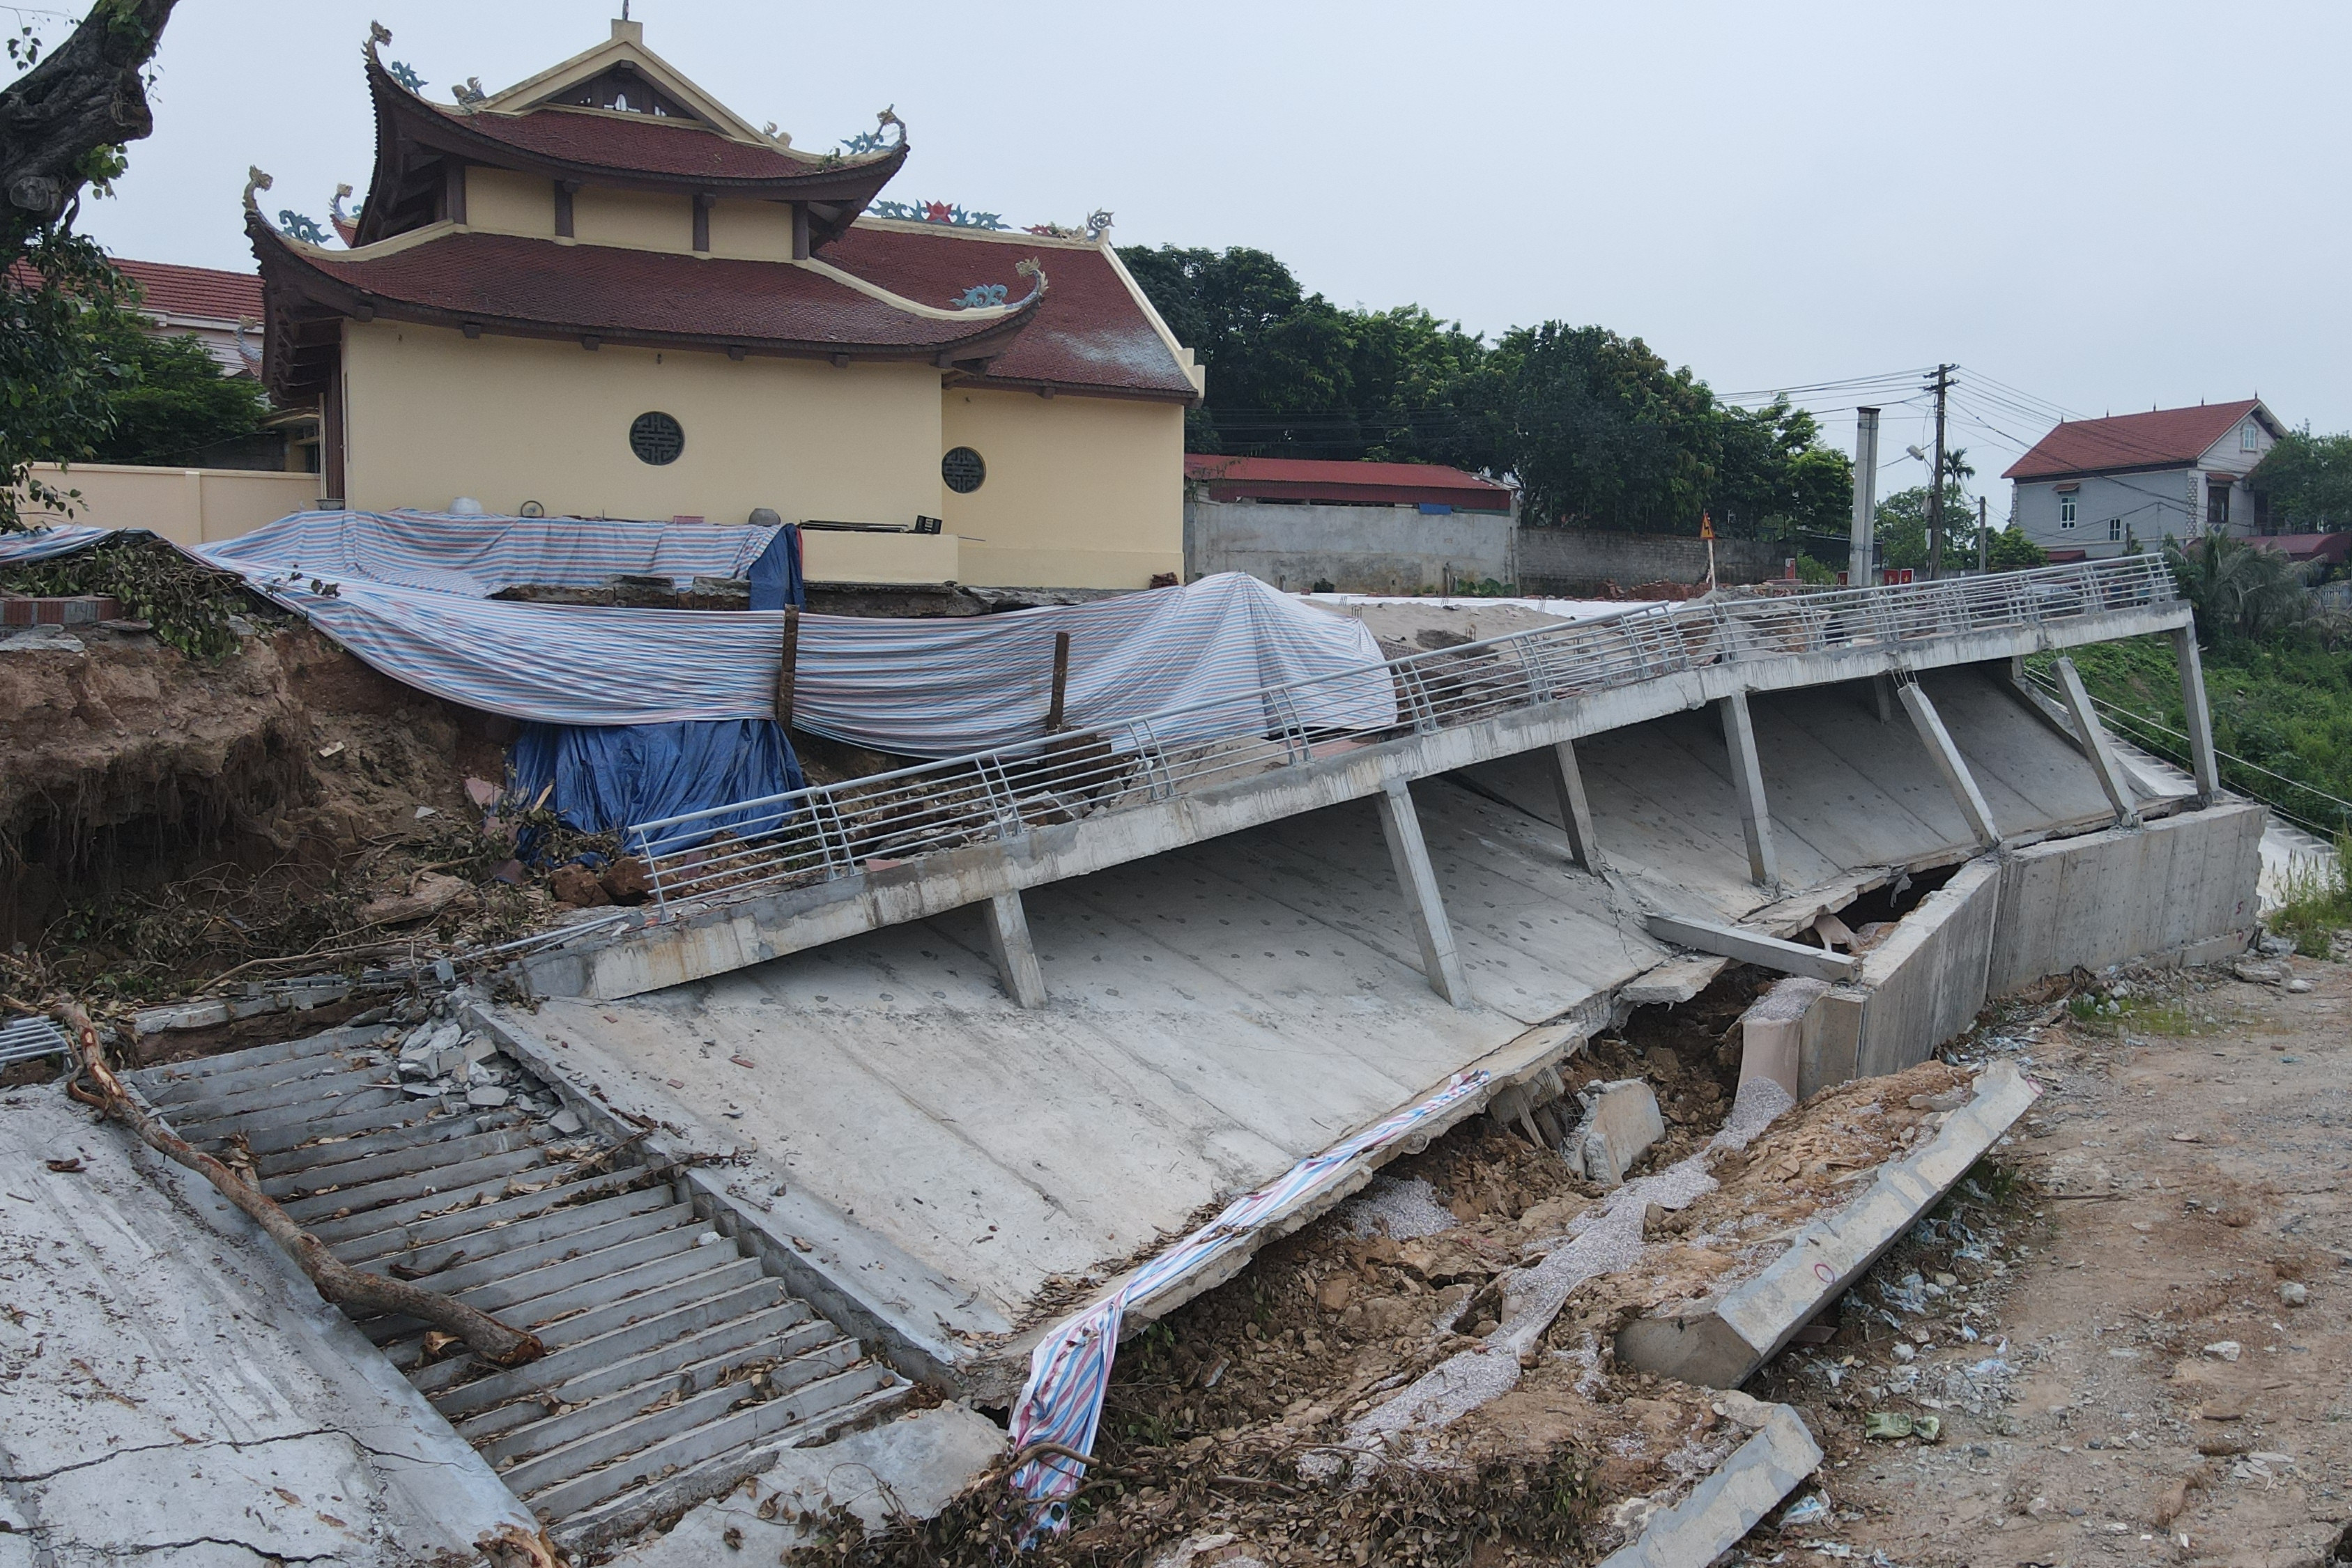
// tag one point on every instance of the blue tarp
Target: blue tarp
(608, 777)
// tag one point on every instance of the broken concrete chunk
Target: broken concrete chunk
(1773, 1031)
(487, 1098)
(1620, 1122)
(566, 1122)
(1727, 1504)
(1718, 1340)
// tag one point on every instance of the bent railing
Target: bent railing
(828, 831)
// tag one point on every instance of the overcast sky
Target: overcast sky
(2099, 207)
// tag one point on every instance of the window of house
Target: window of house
(963, 470)
(2217, 505)
(656, 438)
(2115, 529)
(2066, 512)
(2248, 440)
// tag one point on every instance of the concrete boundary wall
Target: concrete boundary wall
(1576, 560)
(1355, 549)
(2167, 888)
(1919, 987)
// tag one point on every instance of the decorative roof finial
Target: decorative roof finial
(887, 117)
(1027, 266)
(469, 94)
(255, 179)
(1099, 225)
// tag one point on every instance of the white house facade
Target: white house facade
(2094, 488)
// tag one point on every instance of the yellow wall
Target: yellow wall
(647, 220)
(1082, 492)
(753, 231)
(186, 506)
(507, 201)
(433, 415)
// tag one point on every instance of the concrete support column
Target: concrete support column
(1951, 765)
(2200, 710)
(2094, 745)
(1747, 778)
(1016, 954)
(1408, 853)
(1575, 810)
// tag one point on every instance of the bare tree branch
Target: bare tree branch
(88, 94)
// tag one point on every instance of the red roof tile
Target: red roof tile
(593, 289)
(2164, 438)
(637, 142)
(204, 292)
(1090, 333)
(1375, 484)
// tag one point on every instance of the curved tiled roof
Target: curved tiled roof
(203, 293)
(509, 281)
(1090, 334)
(633, 142)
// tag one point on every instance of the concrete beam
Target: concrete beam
(1016, 954)
(1719, 1342)
(1408, 853)
(1575, 809)
(1951, 765)
(1748, 778)
(651, 948)
(1729, 1504)
(2194, 702)
(2094, 745)
(1752, 947)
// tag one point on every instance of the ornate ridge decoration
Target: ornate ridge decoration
(255, 179)
(1097, 227)
(469, 94)
(951, 214)
(991, 296)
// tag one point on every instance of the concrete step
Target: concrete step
(626, 1495)
(512, 1256)
(305, 1114)
(315, 1157)
(568, 1285)
(555, 1372)
(255, 1057)
(294, 1132)
(365, 1238)
(494, 1230)
(335, 1073)
(694, 1380)
(486, 1170)
(425, 1154)
(592, 1470)
(778, 1332)
(587, 1325)
(214, 1082)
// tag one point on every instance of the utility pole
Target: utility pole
(1984, 539)
(1865, 498)
(1936, 480)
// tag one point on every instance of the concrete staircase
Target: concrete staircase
(675, 1366)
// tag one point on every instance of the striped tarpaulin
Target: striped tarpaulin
(916, 687)
(59, 539)
(1069, 1372)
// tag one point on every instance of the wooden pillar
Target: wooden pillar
(2200, 712)
(1061, 682)
(2094, 745)
(1575, 810)
(1016, 954)
(1951, 765)
(1408, 853)
(788, 666)
(1748, 778)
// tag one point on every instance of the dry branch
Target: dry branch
(94, 1084)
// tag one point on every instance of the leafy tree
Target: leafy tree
(1773, 474)
(1903, 528)
(63, 124)
(2237, 590)
(172, 401)
(1601, 433)
(2010, 549)
(2307, 479)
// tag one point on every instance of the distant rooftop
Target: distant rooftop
(2160, 438)
(1343, 483)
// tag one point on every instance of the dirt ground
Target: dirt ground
(2168, 1402)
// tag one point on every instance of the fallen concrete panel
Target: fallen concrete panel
(1620, 1122)
(2124, 893)
(1921, 986)
(1752, 947)
(1727, 1504)
(172, 1381)
(1720, 1340)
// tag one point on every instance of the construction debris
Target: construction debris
(1621, 1123)
(1728, 1503)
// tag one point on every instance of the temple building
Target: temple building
(603, 293)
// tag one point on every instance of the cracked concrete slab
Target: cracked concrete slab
(172, 1389)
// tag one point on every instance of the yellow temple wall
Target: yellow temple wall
(1082, 492)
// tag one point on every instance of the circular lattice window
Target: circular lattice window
(656, 438)
(963, 470)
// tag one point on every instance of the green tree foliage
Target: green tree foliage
(2307, 480)
(2240, 593)
(2011, 550)
(1599, 429)
(1903, 528)
(64, 121)
(172, 401)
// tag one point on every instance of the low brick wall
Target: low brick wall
(75, 610)
(1576, 560)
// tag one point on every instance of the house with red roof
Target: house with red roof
(2091, 487)
(601, 293)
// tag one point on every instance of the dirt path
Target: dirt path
(2194, 1151)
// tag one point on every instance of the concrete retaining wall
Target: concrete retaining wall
(1577, 560)
(2178, 882)
(1355, 549)
(1919, 987)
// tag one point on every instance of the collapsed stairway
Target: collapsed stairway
(673, 1363)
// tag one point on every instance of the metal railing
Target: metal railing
(829, 831)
